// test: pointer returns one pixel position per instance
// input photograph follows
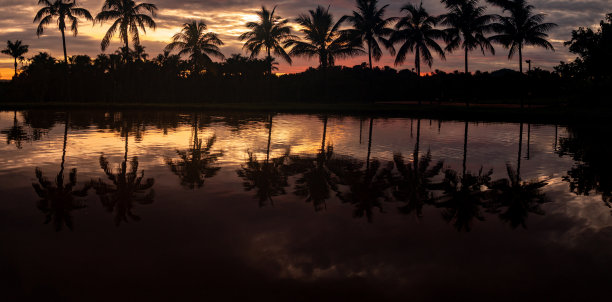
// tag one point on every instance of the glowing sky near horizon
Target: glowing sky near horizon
(227, 18)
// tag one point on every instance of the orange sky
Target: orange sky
(227, 18)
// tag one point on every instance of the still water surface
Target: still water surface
(166, 206)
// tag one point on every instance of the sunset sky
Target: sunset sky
(227, 18)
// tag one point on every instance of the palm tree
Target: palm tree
(468, 25)
(62, 10)
(15, 133)
(128, 18)
(269, 33)
(15, 50)
(195, 41)
(370, 26)
(522, 28)
(58, 199)
(323, 38)
(268, 177)
(126, 187)
(414, 183)
(417, 34)
(197, 163)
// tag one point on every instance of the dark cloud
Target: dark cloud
(226, 18)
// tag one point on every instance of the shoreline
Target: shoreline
(447, 111)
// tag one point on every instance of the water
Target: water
(167, 206)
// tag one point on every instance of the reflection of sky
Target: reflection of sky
(198, 240)
(228, 18)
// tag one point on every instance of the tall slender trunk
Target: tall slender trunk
(370, 55)
(465, 141)
(369, 145)
(520, 47)
(324, 133)
(269, 139)
(417, 66)
(269, 62)
(61, 173)
(466, 61)
(64, 44)
(415, 158)
(520, 152)
(528, 139)
(15, 66)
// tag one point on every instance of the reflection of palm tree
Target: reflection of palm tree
(268, 177)
(316, 179)
(415, 179)
(366, 188)
(126, 187)
(58, 199)
(463, 196)
(196, 163)
(15, 133)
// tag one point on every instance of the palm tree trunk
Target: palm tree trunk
(466, 61)
(64, 44)
(15, 66)
(417, 145)
(370, 55)
(65, 143)
(465, 141)
(269, 62)
(520, 152)
(324, 133)
(269, 139)
(520, 58)
(528, 139)
(369, 145)
(417, 65)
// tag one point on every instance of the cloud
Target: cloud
(228, 18)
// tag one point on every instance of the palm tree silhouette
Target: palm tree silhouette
(15, 50)
(197, 163)
(268, 177)
(370, 27)
(62, 10)
(366, 188)
(199, 44)
(323, 38)
(518, 197)
(414, 183)
(128, 18)
(417, 34)
(468, 25)
(316, 181)
(59, 199)
(126, 187)
(15, 133)
(521, 28)
(463, 196)
(269, 33)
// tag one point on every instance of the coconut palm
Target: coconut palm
(518, 197)
(62, 10)
(417, 33)
(197, 163)
(322, 38)
(268, 34)
(59, 199)
(521, 28)
(468, 25)
(125, 189)
(370, 27)
(268, 177)
(15, 50)
(128, 18)
(414, 182)
(15, 133)
(197, 43)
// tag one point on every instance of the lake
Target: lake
(190, 206)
